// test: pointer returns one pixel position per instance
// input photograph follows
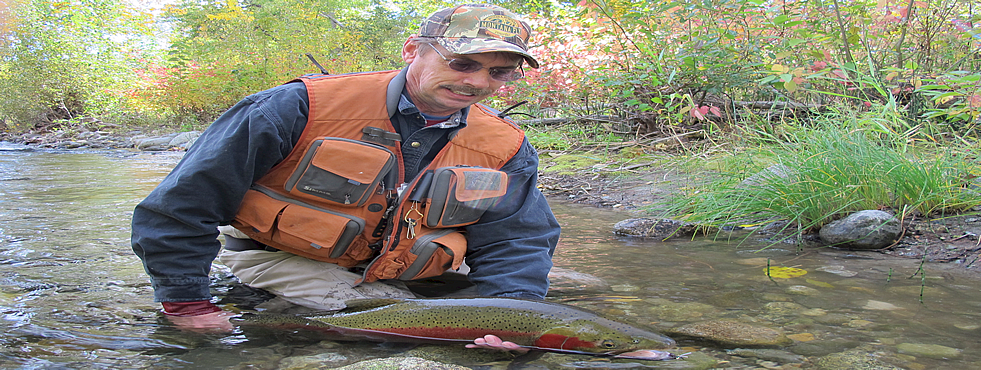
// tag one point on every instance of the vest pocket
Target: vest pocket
(301, 228)
(339, 170)
(459, 195)
(434, 253)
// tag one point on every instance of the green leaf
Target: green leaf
(790, 85)
(795, 42)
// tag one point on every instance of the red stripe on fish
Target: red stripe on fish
(562, 342)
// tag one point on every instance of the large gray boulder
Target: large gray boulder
(869, 229)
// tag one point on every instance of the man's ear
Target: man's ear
(410, 50)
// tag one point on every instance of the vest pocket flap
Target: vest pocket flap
(434, 253)
(262, 217)
(357, 161)
(321, 230)
(341, 171)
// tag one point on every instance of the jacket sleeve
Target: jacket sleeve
(175, 227)
(510, 249)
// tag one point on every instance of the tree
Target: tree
(60, 60)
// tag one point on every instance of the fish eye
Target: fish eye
(608, 344)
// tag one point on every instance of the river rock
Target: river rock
(733, 334)
(880, 306)
(928, 350)
(824, 347)
(869, 229)
(184, 140)
(326, 360)
(852, 360)
(837, 270)
(562, 279)
(659, 228)
(767, 354)
(398, 363)
(665, 310)
(774, 172)
(783, 308)
(159, 143)
(802, 290)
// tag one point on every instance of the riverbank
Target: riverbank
(950, 240)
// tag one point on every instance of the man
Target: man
(328, 187)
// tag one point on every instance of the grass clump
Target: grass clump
(829, 170)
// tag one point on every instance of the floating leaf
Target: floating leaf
(783, 272)
(819, 283)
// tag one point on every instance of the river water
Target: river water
(73, 295)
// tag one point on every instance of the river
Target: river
(73, 295)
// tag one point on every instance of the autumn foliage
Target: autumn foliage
(659, 65)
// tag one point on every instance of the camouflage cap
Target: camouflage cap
(479, 28)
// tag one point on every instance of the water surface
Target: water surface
(73, 295)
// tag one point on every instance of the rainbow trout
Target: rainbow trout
(531, 324)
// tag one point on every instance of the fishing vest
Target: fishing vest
(335, 197)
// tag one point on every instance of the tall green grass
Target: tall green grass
(829, 169)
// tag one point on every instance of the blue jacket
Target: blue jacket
(175, 227)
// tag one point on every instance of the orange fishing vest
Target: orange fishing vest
(328, 200)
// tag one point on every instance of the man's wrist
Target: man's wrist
(195, 308)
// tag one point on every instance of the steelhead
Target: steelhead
(531, 324)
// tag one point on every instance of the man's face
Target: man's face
(438, 90)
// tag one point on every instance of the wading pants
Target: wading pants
(303, 281)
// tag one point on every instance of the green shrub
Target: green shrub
(829, 171)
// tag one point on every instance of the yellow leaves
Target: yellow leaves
(787, 76)
(174, 10)
(916, 82)
(819, 283)
(231, 11)
(783, 272)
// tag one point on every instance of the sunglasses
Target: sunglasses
(506, 74)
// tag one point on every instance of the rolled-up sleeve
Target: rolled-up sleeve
(175, 227)
(510, 249)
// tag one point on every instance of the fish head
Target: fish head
(601, 337)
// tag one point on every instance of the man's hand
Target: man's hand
(207, 323)
(200, 316)
(494, 342)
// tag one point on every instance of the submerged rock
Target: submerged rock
(570, 280)
(326, 360)
(398, 363)
(660, 228)
(928, 350)
(686, 311)
(852, 360)
(824, 347)
(734, 334)
(776, 355)
(869, 229)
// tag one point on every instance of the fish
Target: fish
(532, 324)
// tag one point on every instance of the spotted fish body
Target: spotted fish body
(533, 324)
